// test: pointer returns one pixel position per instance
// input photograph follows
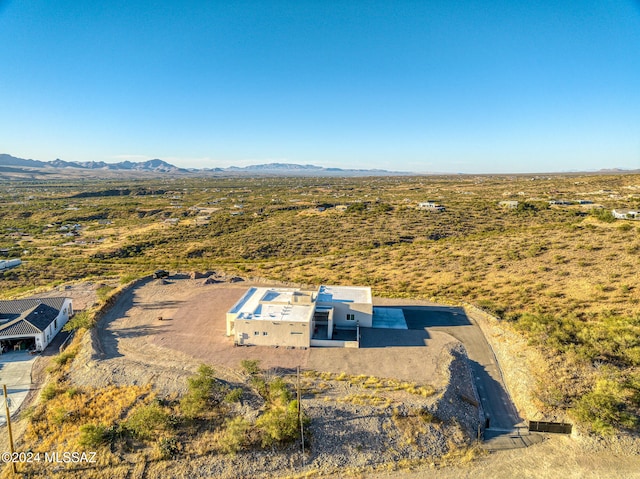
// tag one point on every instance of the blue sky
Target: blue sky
(425, 86)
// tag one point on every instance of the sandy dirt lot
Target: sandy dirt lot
(194, 323)
(83, 294)
(193, 330)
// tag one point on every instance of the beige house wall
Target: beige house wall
(231, 317)
(363, 313)
(273, 333)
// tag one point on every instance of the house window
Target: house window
(351, 317)
(264, 333)
(256, 333)
(55, 323)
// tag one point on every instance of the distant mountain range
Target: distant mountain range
(161, 166)
(149, 165)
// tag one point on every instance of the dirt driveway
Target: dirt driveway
(15, 372)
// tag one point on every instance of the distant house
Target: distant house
(31, 324)
(202, 220)
(626, 214)
(430, 206)
(511, 204)
(10, 263)
(560, 202)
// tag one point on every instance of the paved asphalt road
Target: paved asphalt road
(496, 402)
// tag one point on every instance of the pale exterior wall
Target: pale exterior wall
(40, 341)
(278, 333)
(363, 313)
(231, 317)
(625, 214)
(56, 326)
(232, 314)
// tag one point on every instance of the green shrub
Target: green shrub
(356, 208)
(28, 412)
(261, 386)
(279, 425)
(234, 395)
(65, 357)
(604, 215)
(59, 415)
(92, 435)
(81, 320)
(604, 408)
(49, 391)
(168, 447)
(279, 392)
(234, 436)
(251, 366)
(103, 292)
(204, 392)
(148, 420)
(128, 278)
(526, 207)
(73, 391)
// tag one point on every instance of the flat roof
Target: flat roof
(344, 294)
(272, 304)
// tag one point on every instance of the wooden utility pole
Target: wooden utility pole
(298, 391)
(6, 406)
(300, 417)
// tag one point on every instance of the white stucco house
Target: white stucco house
(31, 324)
(430, 206)
(624, 214)
(294, 318)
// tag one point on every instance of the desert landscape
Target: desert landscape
(483, 288)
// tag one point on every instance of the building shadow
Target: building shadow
(420, 317)
(388, 338)
(500, 414)
(139, 331)
(159, 304)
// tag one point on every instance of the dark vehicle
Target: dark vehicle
(160, 274)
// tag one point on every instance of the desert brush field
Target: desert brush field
(561, 277)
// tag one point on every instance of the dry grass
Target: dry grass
(367, 400)
(367, 382)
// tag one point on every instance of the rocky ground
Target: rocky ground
(352, 425)
(355, 430)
